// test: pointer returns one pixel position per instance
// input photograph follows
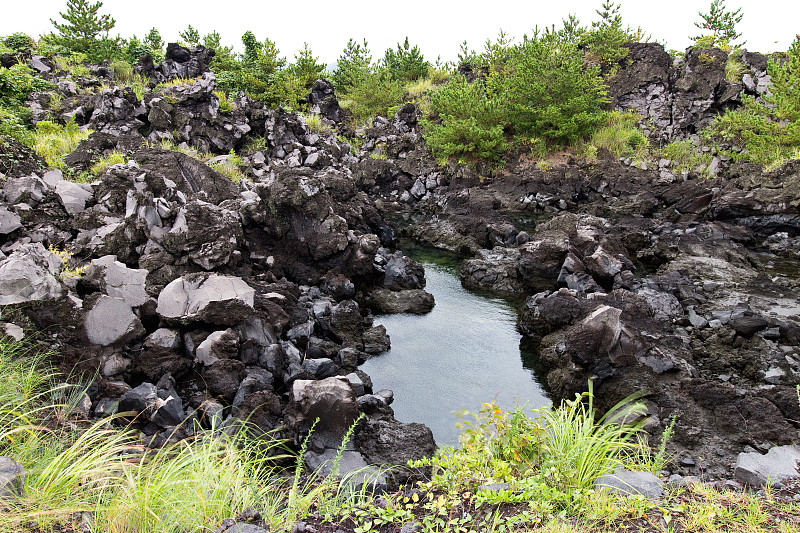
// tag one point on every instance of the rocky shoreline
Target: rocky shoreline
(218, 301)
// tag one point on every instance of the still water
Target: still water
(460, 355)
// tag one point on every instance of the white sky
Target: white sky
(437, 27)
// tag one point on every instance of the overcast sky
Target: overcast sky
(437, 27)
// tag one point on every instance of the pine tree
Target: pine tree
(305, 68)
(190, 35)
(721, 23)
(85, 31)
(154, 44)
(406, 63)
(353, 65)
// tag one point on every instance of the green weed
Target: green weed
(54, 141)
(113, 158)
(229, 167)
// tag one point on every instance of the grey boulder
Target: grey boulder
(627, 483)
(9, 221)
(28, 275)
(776, 466)
(112, 321)
(119, 281)
(73, 196)
(212, 298)
(12, 478)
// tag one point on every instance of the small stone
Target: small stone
(12, 479)
(776, 466)
(773, 375)
(625, 482)
(494, 487)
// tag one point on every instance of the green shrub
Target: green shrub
(372, 96)
(53, 141)
(406, 63)
(551, 459)
(768, 128)
(16, 84)
(548, 92)
(19, 41)
(470, 123)
(13, 123)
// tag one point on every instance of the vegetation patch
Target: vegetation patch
(54, 141)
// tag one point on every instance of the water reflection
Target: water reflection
(465, 352)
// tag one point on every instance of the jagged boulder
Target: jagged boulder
(212, 298)
(330, 400)
(204, 233)
(322, 101)
(30, 274)
(384, 301)
(112, 321)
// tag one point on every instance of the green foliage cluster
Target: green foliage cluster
(85, 31)
(539, 89)
(406, 63)
(470, 123)
(721, 24)
(767, 128)
(603, 41)
(368, 89)
(353, 65)
(260, 71)
(16, 84)
(16, 42)
(152, 44)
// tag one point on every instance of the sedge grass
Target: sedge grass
(53, 141)
(113, 158)
(578, 449)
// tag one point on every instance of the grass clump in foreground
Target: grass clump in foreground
(54, 141)
(99, 473)
(548, 465)
(98, 469)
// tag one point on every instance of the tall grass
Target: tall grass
(113, 158)
(23, 389)
(578, 449)
(73, 466)
(620, 136)
(193, 484)
(53, 141)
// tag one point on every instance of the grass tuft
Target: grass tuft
(620, 136)
(113, 158)
(53, 141)
(229, 166)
